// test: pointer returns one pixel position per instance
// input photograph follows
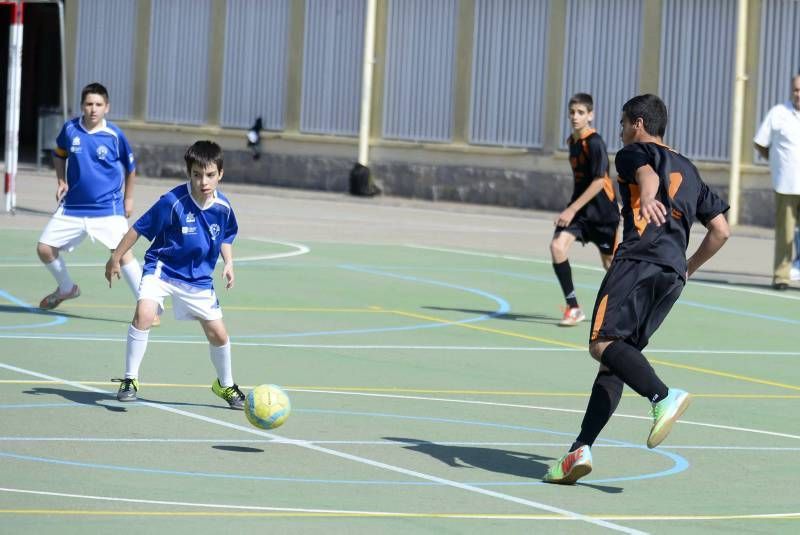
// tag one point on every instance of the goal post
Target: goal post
(14, 89)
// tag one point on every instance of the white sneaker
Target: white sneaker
(572, 317)
(794, 271)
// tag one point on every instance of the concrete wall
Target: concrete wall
(543, 183)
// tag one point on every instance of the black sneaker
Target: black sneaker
(127, 389)
(231, 394)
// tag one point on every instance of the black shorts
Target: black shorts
(633, 300)
(604, 236)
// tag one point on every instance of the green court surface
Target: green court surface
(431, 387)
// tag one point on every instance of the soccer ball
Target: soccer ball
(267, 406)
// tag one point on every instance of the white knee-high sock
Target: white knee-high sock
(132, 272)
(134, 351)
(58, 270)
(221, 358)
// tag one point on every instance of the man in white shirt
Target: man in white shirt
(778, 140)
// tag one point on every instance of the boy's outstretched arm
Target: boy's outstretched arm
(60, 165)
(718, 233)
(227, 271)
(568, 214)
(125, 244)
(130, 180)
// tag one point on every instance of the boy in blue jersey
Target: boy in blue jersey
(662, 196)
(93, 160)
(190, 227)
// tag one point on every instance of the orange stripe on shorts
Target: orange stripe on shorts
(598, 317)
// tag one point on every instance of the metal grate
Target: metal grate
(177, 82)
(779, 55)
(106, 52)
(420, 65)
(698, 41)
(256, 63)
(508, 65)
(332, 54)
(602, 63)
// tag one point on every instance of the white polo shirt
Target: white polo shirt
(780, 131)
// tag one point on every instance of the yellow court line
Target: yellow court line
(398, 390)
(725, 374)
(488, 329)
(375, 309)
(381, 514)
(249, 308)
(576, 346)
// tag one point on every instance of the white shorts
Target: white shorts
(66, 231)
(188, 302)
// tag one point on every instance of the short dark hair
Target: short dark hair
(582, 98)
(203, 153)
(651, 110)
(94, 88)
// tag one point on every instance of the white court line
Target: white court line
(766, 293)
(101, 440)
(300, 249)
(535, 407)
(204, 505)
(355, 458)
(495, 404)
(753, 352)
(471, 516)
(495, 255)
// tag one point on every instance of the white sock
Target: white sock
(58, 270)
(221, 359)
(132, 273)
(134, 351)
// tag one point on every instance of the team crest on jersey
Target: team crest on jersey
(102, 152)
(214, 230)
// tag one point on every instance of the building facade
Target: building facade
(469, 96)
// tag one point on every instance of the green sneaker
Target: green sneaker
(127, 389)
(231, 394)
(665, 413)
(571, 467)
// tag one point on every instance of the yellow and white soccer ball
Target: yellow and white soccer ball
(267, 406)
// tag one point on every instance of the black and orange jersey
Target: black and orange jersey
(589, 159)
(682, 192)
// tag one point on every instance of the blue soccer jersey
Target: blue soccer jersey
(97, 164)
(186, 239)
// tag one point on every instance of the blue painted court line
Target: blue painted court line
(680, 464)
(503, 307)
(58, 320)
(681, 301)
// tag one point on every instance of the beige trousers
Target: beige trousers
(787, 213)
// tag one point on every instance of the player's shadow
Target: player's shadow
(515, 463)
(80, 397)
(238, 449)
(736, 284)
(83, 397)
(36, 211)
(17, 309)
(530, 318)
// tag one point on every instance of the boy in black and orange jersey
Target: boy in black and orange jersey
(662, 195)
(592, 214)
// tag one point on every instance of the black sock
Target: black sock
(631, 366)
(564, 274)
(606, 393)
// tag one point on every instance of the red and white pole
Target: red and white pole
(12, 103)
